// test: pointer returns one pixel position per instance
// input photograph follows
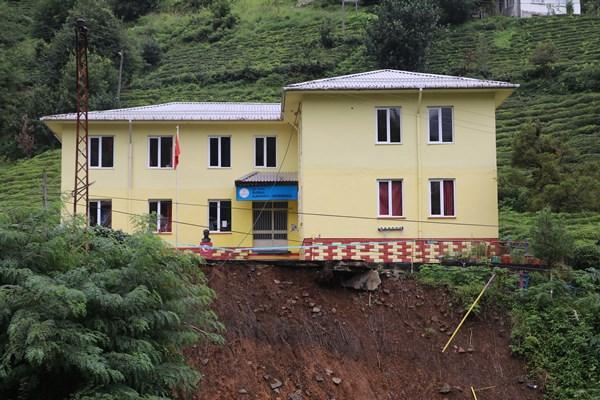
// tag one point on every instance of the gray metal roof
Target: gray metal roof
(394, 79)
(201, 111)
(184, 111)
(270, 178)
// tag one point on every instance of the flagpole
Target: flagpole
(177, 195)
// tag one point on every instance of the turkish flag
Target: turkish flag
(177, 151)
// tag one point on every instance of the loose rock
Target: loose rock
(445, 389)
(276, 384)
(336, 380)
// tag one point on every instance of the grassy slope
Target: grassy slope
(506, 44)
(267, 49)
(273, 46)
(21, 183)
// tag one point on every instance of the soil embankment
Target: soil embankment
(289, 338)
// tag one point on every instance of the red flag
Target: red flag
(177, 151)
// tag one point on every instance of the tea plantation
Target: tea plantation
(567, 102)
(273, 43)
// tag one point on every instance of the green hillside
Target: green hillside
(271, 43)
(21, 182)
(567, 103)
(266, 49)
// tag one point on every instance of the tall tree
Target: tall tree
(401, 34)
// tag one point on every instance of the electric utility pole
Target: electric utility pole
(81, 187)
(120, 76)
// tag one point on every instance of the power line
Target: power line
(175, 222)
(316, 214)
(319, 214)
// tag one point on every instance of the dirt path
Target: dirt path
(288, 338)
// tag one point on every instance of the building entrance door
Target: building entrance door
(270, 220)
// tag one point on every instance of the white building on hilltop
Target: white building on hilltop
(528, 8)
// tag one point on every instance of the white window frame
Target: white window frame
(389, 134)
(442, 208)
(159, 137)
(219, 138)
(99, 210)
(265, 151)
(99, 137)
(158, 209)
(390, 200)
(218, 201)
(440, 123)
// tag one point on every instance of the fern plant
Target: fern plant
(86, 314)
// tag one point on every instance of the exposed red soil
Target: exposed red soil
(384, 345)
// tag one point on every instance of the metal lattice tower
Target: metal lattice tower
(81, 188)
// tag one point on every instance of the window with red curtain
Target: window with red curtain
(384, 199)
(448, 197)
(166, 211)
(390, 198)
(442, 197)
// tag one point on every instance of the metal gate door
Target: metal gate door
(269, 223)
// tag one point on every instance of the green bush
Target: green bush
(544, 57)
(555, 322)
(110, 322)
(151, 53)
(550, 240)
(401, 35)
(586, 256)
(327, 32)
(556, 329)
(130, 10)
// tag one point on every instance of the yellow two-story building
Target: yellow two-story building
(382, 166)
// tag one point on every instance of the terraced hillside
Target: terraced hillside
(567, 103)
(21, 183)
(268, 48)
(271, 47)
(584, 227)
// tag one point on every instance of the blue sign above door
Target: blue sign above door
(260, 193)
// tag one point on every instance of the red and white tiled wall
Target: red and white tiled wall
(371, 250)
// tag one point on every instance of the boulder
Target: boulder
(368, 281)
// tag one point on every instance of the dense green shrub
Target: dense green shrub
(109, 322)
(151, 53)
(555, 322)
(466, 284)
(586, 256)
(550, 241)
(130, 10)
(544, 57)
(556, 328)
(402, 33)
(456, 12)
(49, 16)
(327, 33)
